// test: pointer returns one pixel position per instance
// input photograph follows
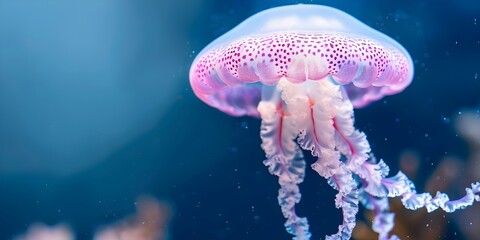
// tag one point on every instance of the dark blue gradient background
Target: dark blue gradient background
(96, 109)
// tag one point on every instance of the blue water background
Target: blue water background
(96, 109)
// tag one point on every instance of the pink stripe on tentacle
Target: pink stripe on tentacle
(373, 193)
(285, 160)
(311, 105)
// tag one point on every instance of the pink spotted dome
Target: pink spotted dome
(299, 43)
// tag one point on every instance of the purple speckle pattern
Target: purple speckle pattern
(368, 69)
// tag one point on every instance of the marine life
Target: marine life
(302, 69)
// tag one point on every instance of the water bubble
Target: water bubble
(445, 120)
(244, 125)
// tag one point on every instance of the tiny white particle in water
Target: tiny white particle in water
(446, 120)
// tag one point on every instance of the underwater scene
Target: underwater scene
(239, 120)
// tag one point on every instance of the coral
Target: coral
(150, 222)
(468, 127)
(40, 231)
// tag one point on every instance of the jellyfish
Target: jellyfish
(302, 69)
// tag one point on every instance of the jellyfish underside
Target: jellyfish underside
(317, 116)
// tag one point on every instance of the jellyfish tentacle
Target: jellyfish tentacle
(285, 160)
(353, 144)
(288, 196)
(413, 200)
(373, 195)
(312, 105)
(304, 102)
(347, 201)
(329, 164)
(376, 198)
(383, 220)
(320, 118)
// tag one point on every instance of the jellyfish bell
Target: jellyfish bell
(299, 42)
(302, 69)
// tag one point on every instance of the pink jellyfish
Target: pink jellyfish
(302, 69)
